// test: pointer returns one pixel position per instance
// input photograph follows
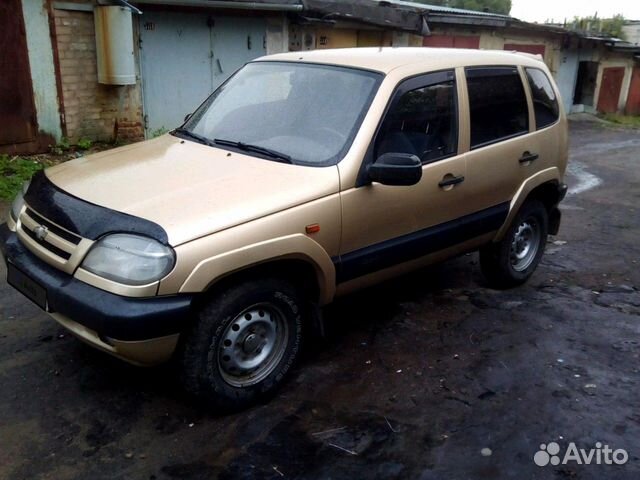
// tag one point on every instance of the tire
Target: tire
(513, 260)
(244, 343)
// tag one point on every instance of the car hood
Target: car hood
(189, 189)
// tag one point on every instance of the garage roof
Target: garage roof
(441, 9)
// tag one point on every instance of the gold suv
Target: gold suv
(304, 177)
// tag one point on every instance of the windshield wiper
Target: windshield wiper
(194, 136)
(247, 147)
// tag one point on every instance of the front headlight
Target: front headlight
(18, 202)
(129, 259)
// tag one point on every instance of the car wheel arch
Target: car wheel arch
(294, 255)
(542, 186)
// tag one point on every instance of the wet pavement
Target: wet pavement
(429, 376)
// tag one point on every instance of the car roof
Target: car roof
(386, 59)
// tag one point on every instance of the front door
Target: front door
(387, 225)
(186, 56)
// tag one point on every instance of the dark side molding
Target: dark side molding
(418, 244)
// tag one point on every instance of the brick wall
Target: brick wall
(92, 111)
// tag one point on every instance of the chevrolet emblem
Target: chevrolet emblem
(41, 232)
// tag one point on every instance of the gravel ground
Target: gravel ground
(430, 376)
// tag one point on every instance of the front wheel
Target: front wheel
(244, 344)
(513, 260)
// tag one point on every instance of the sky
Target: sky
(558, 10)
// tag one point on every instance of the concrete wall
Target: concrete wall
(567, 76)
(632, 33)
(348, 36)
(39, 45)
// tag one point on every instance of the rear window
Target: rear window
(497, 104)
(545, 102)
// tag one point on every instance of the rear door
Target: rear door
(499, 137)
(547, 137)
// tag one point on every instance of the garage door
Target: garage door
(633, 101)
(185, 56)
(17, 111)
(610, 89)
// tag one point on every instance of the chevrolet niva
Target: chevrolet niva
(304, 177)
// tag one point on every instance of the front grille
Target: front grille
(52, 248)
(68, 236)
(57, 241)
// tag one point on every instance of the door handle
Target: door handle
(449, 182)
(528, 157)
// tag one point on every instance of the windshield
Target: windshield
(309, 113)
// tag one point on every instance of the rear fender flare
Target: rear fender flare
(531, 183)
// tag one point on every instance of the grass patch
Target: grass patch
(14, 171)
(626, 120)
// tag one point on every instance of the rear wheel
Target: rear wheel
(244, 343)
(513, 260)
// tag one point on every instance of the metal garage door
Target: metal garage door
(633, 101)
(17, 111)
(185, 56)
(610, 89)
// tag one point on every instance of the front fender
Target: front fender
(295, 246)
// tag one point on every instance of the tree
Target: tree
(610, 27)
(493, 6)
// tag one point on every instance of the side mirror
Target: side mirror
(396, 169)
(187, 116)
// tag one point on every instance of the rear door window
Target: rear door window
(545, 101)
(497, 104)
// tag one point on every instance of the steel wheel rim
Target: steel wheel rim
(525, 244)
(252, 345)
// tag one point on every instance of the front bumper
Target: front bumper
(139, 330)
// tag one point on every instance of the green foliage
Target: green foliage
(493, 6)
(611, 27)
(14, 171)
(158, 132)
(61, 147)
(626, 120)
(84, 144)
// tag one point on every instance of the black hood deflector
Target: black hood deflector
(83, 218)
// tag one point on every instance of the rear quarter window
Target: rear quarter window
(545, 101)
(497, 104)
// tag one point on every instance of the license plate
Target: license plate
(28, 287)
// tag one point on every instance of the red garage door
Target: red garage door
(633, 102)
(452, 41)
(17, 110)
(610, 89)
(535, 49)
